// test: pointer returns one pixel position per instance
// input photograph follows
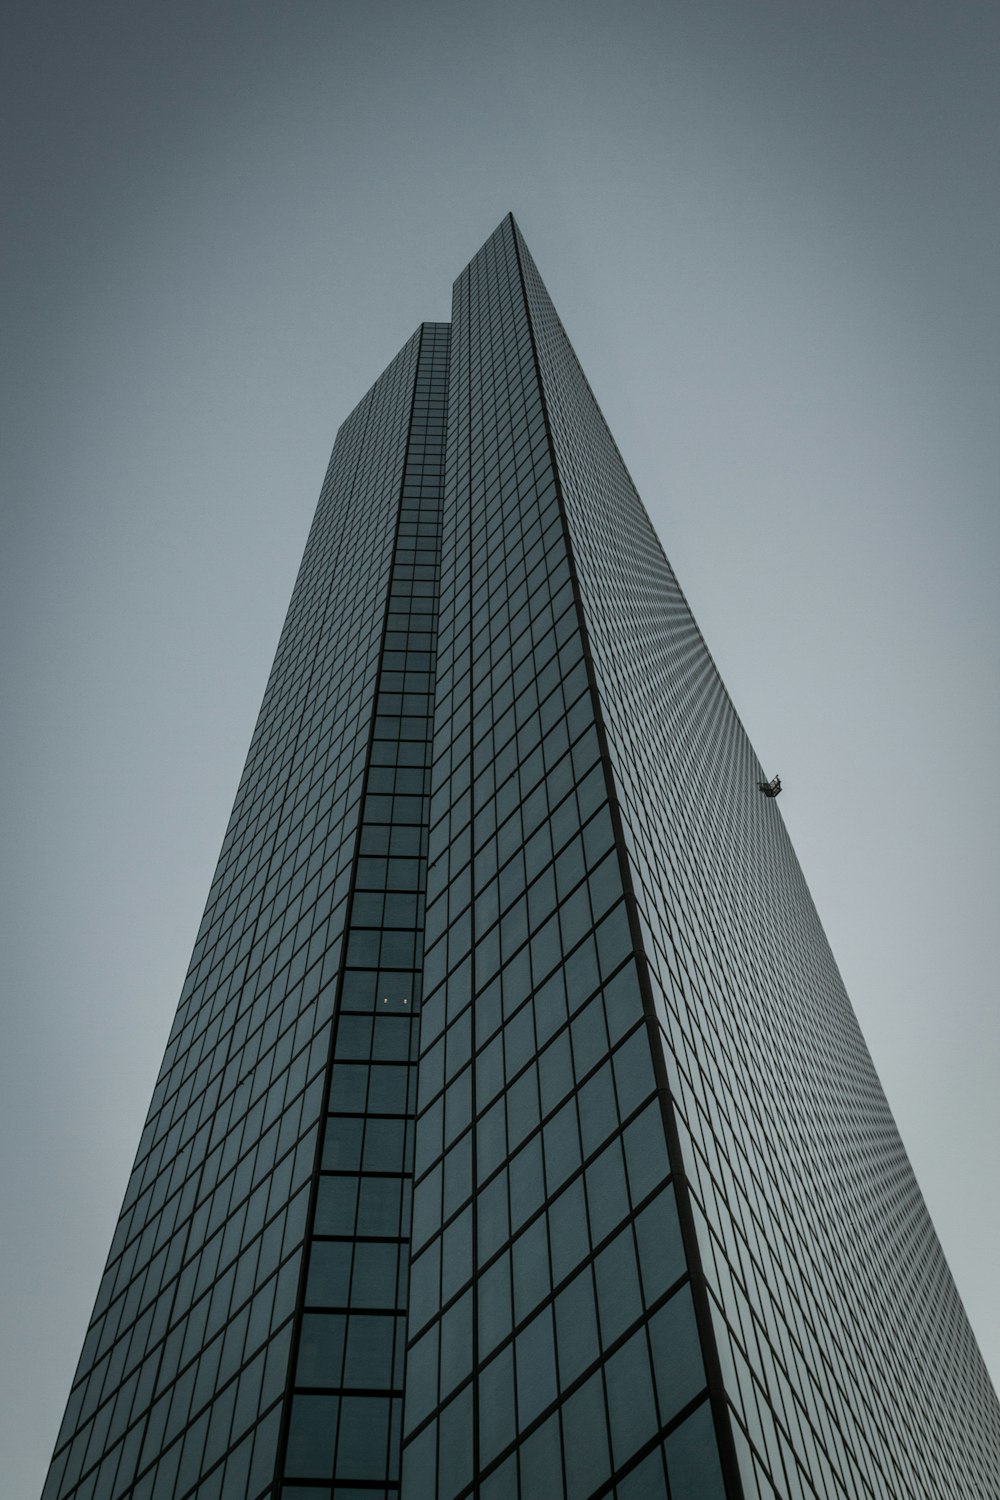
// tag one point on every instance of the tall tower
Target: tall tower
(515, 1135)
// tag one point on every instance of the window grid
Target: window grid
(514, 1134)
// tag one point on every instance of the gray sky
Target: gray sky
(770, 230)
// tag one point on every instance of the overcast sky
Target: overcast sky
(771, 232)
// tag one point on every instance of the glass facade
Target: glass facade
(515, 1136)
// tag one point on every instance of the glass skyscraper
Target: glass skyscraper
(515, 1135)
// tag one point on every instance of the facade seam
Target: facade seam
(699, 1284)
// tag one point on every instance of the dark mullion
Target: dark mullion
(282, 1447)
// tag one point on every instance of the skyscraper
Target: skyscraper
(515, 1135)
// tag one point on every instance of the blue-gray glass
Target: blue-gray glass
(515, 1136)
(184, 1382)
(541, 1159)
(345, 1399)
(845, 1352)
